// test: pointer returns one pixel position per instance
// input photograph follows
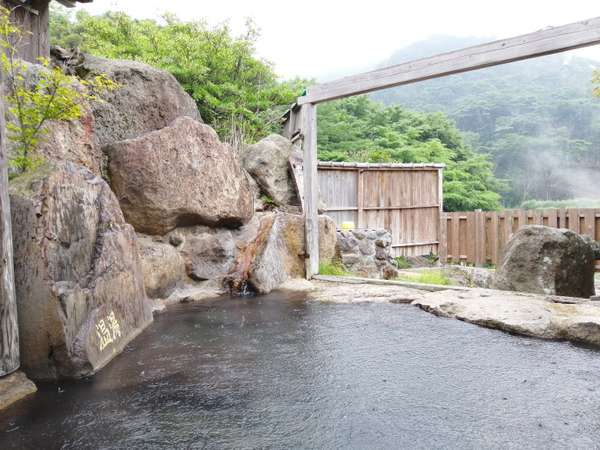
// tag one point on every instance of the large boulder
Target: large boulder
(268, 163)
(276, 253)
(78, 276)
(163, 266)
(547, 260)
(148, 99)
(181, 175)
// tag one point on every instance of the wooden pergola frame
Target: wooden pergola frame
(301, 121)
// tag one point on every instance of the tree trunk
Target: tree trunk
(9, 331)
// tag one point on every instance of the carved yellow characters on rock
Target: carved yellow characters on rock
(108, 330)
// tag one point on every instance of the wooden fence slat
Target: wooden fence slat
(470, 237)
(456, 233)
(479, 238)
(443, 245)
(493, 238)
(573, 214)
(479, 243)
(360, 198)
(589, 227)
(552, 216)
(562, 218)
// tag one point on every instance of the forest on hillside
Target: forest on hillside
(506, 138)
(538, 120)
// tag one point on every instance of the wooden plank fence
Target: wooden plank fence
(405, 199)
(479, 237)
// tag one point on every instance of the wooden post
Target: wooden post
(9, 328)
(442, 234)
(311, 215)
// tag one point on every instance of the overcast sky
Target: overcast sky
(321, 38)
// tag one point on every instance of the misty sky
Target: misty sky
(325, 38)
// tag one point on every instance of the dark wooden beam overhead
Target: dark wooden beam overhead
(72, 3)
(544, 42)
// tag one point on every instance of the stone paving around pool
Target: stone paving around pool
(546, 317)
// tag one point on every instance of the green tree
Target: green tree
(237, 92)
(359, 129)
(596, 81)
(36, 96)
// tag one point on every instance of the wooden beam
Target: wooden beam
(9, 329)
(415, 244)
(540, 43)
(311, 215)
(67, 3)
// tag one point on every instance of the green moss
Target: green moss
(428, 277)
(21, 183)
(331, 268)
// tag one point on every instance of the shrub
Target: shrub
(35, 97)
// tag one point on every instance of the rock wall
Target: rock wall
(366, 253)
(78, 280)
(82, 274)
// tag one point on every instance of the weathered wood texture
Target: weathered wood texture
(34, 22)
(480, 237)
(311, 193)
(9, 329)
(540, 43)
(402, 198)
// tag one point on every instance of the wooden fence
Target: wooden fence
(479, 237)
(403, 198)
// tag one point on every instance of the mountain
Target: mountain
(537, 119)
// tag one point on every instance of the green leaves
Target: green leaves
(237, 92)
(38, 95)
(358, 129)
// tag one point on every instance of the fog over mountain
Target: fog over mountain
(537, 118)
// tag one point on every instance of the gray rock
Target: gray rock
(367, 246)
(366, 253)
(163, 266)
(526, 314)
(362, 293)
(209, 255)
(595, 247)
(78, 275)
(547, 260)
(15, 387)
(275, 253)
(350, 259)
(181, 175)
(175, 239)
(148, 99)
(268, 163)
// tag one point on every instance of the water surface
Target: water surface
(282, 373)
